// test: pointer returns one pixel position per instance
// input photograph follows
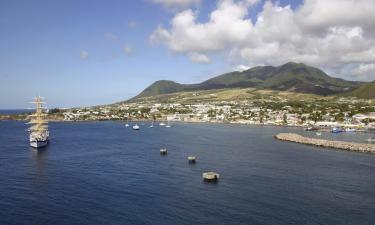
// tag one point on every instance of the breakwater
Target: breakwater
(343, 145)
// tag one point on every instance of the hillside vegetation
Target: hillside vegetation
(229, 94)
(291, 77)
(367, 91)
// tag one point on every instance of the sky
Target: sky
(88, 52)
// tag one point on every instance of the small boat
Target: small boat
(127, 123)
(318, 133)
(168, 125)
(311, 128)
(162, 124)
(336, 130)
(371, 139)
(350, 130)
(136, 127)
(152, 124)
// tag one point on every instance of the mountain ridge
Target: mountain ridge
(294, 77)
(366, 91)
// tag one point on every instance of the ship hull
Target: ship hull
(38, 144)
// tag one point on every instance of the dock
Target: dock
(342, 145)
(210, 176)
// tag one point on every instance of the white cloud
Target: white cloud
(365, 70)
(241, 68)
(127, 49)
(226, 27)
(198, 58)
(336, 35)
(84, 54)
(176, 3)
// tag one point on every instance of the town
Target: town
(338, 112)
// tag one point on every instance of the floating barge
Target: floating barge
(191, 159)
(210, 176)
(163, 151)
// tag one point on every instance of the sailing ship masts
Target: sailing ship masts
(39, 133)
(37, 122)
(39, 117)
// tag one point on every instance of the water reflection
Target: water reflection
(39, 164)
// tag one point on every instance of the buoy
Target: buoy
(163, 151)
(191, 159)
(210, 176)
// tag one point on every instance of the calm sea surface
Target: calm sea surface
(103, 173)
(14, 111)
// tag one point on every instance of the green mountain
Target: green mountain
(365, 91)
(295, 77)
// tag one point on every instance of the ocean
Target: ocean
(104, 173)
(15, 111)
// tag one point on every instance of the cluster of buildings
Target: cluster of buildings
(245, 112)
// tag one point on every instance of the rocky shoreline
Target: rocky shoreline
(342, 145)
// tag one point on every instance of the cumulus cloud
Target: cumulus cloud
(241, 68)
(176, 3)
(336, 35)
(198, 58)
(84, 54)
(367, 70)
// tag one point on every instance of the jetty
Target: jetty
(343, 145)
(210, 176)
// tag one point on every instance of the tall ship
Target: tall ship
(39, 134)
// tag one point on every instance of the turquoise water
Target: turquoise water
(104, 173)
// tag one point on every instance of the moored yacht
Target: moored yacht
(136, 127)
(336, 130)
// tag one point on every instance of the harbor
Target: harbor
(103, 165)
(342, 145)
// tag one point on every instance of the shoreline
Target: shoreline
(322, 129)
(340, 145)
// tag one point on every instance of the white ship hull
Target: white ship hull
(38, 144)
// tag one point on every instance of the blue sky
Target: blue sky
(80, 53)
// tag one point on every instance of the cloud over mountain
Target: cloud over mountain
(337, 35)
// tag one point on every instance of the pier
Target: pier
(342, 145)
